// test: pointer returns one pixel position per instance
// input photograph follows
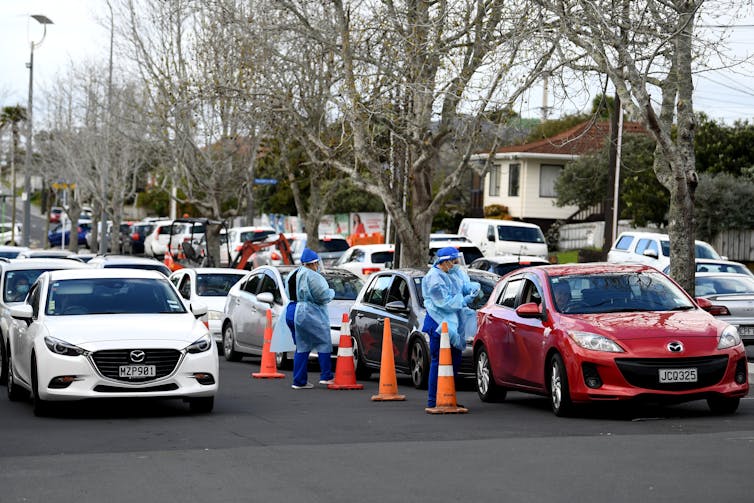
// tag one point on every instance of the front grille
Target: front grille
(115, 389)
(109, 361)
(644, 372)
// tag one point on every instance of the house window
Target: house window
(514, 173)
(548, 174)
(494, 180)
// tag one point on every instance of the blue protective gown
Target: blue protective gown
(445, 298)
(311, 320)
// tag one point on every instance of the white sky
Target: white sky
(77, 35)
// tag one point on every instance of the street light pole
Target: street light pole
(106, 174)
(44, 21)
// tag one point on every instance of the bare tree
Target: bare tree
(649, 50)
(416, 79)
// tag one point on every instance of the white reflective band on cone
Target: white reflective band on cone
(444, 341)
(445, 371)
(345, 352)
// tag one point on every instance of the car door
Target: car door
(23, 337)
(368, 318)
(258, 309)
(527, 337)
(500, 344)
(399, 320)
(243, 310)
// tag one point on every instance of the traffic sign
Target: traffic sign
(265, 181)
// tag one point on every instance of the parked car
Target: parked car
(732, 298)
(209, 286)
(236, 236)
(110, 334)
(248, 300)
(651, 248)
(364, 260)
(128, 262)
(605, 332)
(137, 233)
(153, 246)
(56, 213)
(504, 237)
(63, 231)
(331, 247)
(16, 278)
(503, 264)
(468, 251)
(396, 294)
(712, 265)
(10, 233)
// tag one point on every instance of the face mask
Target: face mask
(22, 288)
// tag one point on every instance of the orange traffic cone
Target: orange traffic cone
(388, 380)
(268, 369)
(446, 386)
(345, 373)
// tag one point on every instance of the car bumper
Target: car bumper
(624, 377)
(184, 381)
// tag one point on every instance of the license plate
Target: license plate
(136, 371)
(748, 331)
(678, 375)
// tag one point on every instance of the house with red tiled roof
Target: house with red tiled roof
(522, 177)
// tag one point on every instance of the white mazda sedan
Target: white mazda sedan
(108, 333)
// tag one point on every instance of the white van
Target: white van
(504, 237)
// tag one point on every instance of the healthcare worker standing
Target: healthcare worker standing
(306, 316)
(447, 291)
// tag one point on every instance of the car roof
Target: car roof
(212, 270)
(590, 268)
(63, 274)
(722, 275)
(35, 263)
(124, 259)
(514, 259)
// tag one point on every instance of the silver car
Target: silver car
(245, 314)
(732, 299)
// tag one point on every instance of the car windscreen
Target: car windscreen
(619, 292)
(520, 234)
(333, 245)
(346, 286)
(216, 284)
(112, 296)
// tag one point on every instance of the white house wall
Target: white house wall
(528, 204)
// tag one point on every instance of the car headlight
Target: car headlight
(202, 344)
(728, 338)
(595, 342)
(63, 348)
(214, 315)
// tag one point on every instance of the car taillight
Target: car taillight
(718, 311)
(135, 236)
(369, 270)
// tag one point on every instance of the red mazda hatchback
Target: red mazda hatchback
(605, 332)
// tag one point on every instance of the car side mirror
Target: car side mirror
(529, 310)
(22, 312)
(266, 298)
(199, 309)
(650, 253)
(396, 306)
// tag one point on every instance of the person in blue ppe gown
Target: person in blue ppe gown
(447, 291)
(306, 316)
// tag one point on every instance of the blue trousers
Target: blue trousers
(430, 327)
(301, 359)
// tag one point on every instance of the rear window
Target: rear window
(520, 234)
(255, 235)
(333, 245)
(382, 257)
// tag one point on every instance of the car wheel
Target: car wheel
(282, 361)
(228, 342)
(560, 397)
(486, 387)
(41, 407)
(3, 362)
(721, 405)
(419, 364)
(15, 392)
(202, 405)
(360, 367)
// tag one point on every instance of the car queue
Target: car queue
(624, 332)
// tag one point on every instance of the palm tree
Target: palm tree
(13, 115)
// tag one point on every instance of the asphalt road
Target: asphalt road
(265, 442)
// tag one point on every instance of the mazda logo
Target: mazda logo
(137, 355)
(675, 347)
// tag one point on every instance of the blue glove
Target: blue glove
(469, 298)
